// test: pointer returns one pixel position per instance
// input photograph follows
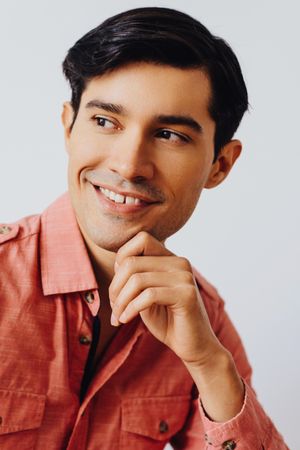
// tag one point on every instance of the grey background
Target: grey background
(244, 235)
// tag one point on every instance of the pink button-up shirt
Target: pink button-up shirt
(141, 395)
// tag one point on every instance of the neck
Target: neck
(103, 264)
(102, 261)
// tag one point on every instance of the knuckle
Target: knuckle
(185, 263)
(187, 277)
(143, 235)
(150, 293)
(145, 240)
(129, 262)
(133, 307)
(136, 280)
(190, 293)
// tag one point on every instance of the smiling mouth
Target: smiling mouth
(124, 200)
(119, 198)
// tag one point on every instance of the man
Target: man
(108, 340)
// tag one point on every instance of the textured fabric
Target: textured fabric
(141, 395)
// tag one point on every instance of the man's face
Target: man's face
(140, 152)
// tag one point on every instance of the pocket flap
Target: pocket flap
(20, 410)
(155, 417)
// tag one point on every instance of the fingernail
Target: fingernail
(114, 321)
(123, 317)
(116, 265)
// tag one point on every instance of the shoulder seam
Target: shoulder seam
(19, 239)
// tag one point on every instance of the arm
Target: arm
(251, 428)
(161, 288)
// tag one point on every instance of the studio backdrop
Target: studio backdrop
(244, 235)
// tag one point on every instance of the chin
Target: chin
(112, 247)
(110, 243)
(116, 237)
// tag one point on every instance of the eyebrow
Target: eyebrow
(109, 107)
(180, 120)
(161, 118)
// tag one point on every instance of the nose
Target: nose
(130, 156)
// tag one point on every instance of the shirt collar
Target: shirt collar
(65, 264)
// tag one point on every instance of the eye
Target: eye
(173, 137)
(103, 122)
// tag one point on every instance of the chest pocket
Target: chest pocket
(21, 414)
(149, 423)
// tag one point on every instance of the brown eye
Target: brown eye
(171, 136)
(103, 122)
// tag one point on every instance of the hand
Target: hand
(151, 281)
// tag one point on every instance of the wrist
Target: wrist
(219, 385)
(217, 359)
(218, 365)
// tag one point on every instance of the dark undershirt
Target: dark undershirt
(88, 371)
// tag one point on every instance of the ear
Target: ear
(224, 163)
(67, 120)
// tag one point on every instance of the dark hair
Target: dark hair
(167, 37)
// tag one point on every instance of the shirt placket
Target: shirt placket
(82, 309)
(84, 339)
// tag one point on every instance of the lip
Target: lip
(122, 208)
(137, 195)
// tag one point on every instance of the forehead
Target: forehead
(151, 88)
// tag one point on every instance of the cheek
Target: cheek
(84, 153)
(83, 150)
(188, 179)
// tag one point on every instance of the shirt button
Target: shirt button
(229, 445)
(84, 340)
(5, 229)
(89, 297)
(207, 440)
(163, 426)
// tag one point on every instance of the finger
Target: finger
(139, 264)
(138, 282)
(142, 243)
(160, 296)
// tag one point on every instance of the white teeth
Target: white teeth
(112, 195)
(129, 201)
(119, 198)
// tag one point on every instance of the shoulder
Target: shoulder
(8, 232)
(15, 238)
(14, 232)
(19, 243)
(19, 265)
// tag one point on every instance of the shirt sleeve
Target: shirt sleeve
(251, 428)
